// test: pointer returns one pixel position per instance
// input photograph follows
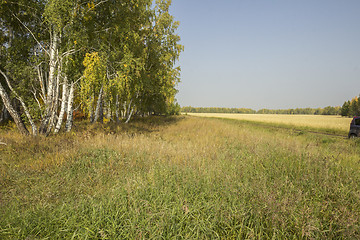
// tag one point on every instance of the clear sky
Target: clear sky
(271, 54)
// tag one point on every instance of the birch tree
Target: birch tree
(92, 85)
(17, 50)
(117, 55)
(36, 74)
(162, 51)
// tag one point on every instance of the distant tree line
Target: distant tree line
(307, 111)
(216, 110)
(351, 108)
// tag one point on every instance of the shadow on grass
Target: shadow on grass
(16, 147)
(138, 125)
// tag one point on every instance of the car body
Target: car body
(354, 128)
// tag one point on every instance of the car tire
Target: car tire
(352, 136)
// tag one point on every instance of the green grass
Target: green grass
(185, 178)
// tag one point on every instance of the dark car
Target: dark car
(354, 128)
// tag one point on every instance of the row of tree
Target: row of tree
(101, 57)
(310, 111)
(305, 111)
(351, 108)
(190, 109)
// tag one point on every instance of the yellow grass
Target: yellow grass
(179, 177)
(313, 121)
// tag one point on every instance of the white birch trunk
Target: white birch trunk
(123, 115)
(130, 114)
(13, 113)
(55, 102)
(70, 109)
(51, 86)
(98, 106)
(64, 99)
(129, 111)
(27, 113)
(52, 69)
(117, 109)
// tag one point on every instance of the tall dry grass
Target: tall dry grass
(182, 177)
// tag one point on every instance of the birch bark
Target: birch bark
(98, 106)
(64, 99)
(55, 101)
(130, 114)
(27, 113)
(13, 113)
(70, 109)
(51, 86)
(117, 109)
(129, 111)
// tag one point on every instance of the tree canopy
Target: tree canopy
(351, 108)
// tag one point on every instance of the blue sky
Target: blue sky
(268, 53)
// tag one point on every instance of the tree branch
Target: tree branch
(72, 51)
(27, 113)
(34, 93)
(31, 34)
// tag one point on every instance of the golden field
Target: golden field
(336, 123)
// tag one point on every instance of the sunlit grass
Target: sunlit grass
(184, 177)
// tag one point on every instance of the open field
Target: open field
(182, 177)
(337, 124)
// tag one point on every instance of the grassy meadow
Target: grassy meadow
(327, 123)
(181, 177)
